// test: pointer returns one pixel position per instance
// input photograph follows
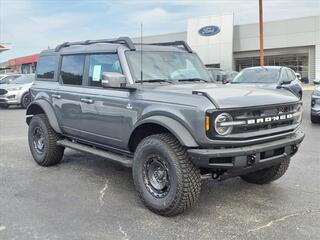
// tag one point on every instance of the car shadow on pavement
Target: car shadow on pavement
(215, 195)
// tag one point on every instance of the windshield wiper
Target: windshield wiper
(192, 79)
(154, 80)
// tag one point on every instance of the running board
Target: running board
(117, 158)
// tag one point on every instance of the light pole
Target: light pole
(261, 33)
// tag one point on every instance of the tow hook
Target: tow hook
(251, 159)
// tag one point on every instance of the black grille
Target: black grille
(261, 126)
(262, 113)
(259, 121)
(3, 91)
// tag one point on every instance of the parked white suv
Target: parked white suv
(16, 92)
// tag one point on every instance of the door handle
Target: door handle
(87, 100)
(57, 96)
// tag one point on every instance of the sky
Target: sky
(33, 25)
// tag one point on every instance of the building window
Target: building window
(217, 65)
(297, 62)
(72, 69)
(46, 66)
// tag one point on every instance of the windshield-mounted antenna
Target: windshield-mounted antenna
(141, 54)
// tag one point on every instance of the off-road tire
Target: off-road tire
(267, 175)
(315, 119)
(185, 178)
(25, 100)
(52, 153)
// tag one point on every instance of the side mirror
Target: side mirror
(113, 80)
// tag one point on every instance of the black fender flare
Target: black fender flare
(173, 126)
(43, 106)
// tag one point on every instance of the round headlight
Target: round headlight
(219, 126)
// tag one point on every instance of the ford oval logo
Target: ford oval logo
(209, 31)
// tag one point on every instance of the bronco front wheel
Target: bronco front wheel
(166, 180)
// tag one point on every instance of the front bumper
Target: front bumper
(10, 98)
(247, 158)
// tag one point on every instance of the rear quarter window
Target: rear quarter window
(45, 67)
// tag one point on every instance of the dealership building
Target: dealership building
(294, 43)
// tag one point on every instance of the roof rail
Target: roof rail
(122, 40)
(176, 43)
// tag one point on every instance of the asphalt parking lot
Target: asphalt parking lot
(86, 197)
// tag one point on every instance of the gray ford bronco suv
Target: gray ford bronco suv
(153, 107)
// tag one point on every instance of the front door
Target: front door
(106, 112)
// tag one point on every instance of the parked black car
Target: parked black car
(273, 77)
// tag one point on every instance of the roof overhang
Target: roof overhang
(4, 47)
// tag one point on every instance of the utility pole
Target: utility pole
(261, 33)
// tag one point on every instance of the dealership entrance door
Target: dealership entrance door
(298, 62)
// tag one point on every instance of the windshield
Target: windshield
(167, 66)
(258, 75)
(24, 79)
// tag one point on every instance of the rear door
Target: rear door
(68, 96)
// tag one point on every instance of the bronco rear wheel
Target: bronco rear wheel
(166, 180)
(42, 141)
(267, 175)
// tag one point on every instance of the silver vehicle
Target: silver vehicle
(218, 75)
(315, 105)
(16, 92)
(273, 77)
(231, 75)
(8, 77)
(316, 81)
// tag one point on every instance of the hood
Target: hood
(5, 86)
(231, 96)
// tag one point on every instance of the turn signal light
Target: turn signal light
(207, 123)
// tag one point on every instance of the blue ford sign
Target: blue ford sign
(209, 31)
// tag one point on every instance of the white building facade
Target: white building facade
(294, 43)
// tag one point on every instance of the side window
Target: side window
(100, 63)
(72, 69)
(46, 66)
(284, 76)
